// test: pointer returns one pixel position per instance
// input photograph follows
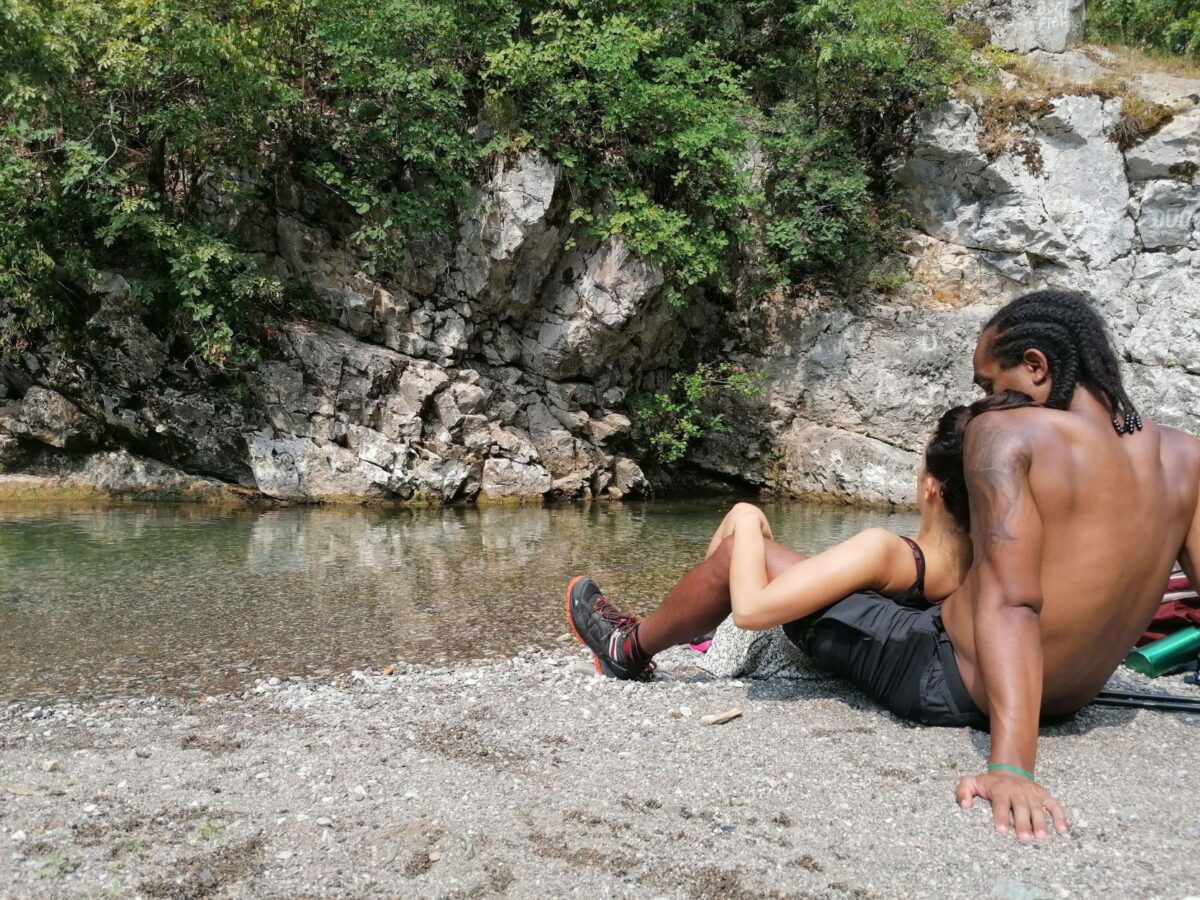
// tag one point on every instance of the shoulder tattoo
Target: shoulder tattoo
(996, 465)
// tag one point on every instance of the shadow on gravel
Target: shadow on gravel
(1082, 722)
(821, 688)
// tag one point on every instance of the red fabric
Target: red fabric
(1177, 583)
(1173, 614)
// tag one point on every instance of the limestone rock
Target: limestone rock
(1171, 152)
(506, 479)
(1167, 213)
(50, 418)
(1025, 25)
(114, 474)
(827, 463)
(587, 319)
(507, 245)
(628, 479)
(302, 469)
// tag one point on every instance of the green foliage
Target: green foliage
(667, 422)
(118, 117)
(642, 116)
(1169, 25)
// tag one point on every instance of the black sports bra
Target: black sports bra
(914, 595)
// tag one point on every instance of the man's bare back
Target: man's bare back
(1115, 513)
(1078, 511)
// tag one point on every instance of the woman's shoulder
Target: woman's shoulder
(881, 539)
(892, 554)
(887, 546)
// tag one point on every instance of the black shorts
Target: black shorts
(897, 655)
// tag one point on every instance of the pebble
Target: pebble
(17, 836)
(284, 854)
(721, 718)
(685, 711)
(325, 822)
(50, 765)
(1127, 815)
(142, 752)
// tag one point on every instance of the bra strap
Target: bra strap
(919, 559)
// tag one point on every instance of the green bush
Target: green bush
(1169, 25)
(116, 114)
(668, 421)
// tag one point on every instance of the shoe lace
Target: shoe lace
(624, 622)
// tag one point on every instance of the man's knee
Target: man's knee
(723, 555)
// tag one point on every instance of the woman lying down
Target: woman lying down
(866, 608)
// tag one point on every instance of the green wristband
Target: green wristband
(1001, 767)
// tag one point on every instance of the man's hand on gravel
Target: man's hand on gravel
(1016, 801)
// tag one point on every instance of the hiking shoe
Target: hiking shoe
(603, 629)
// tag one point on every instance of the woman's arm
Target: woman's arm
(867, 561)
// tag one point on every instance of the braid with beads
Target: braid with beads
(1065, 327)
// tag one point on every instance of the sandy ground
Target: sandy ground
(533, 778)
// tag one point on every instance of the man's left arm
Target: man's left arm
(1006, 534)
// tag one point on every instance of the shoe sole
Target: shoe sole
(571, 624)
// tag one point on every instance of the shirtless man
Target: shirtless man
(1078, 512)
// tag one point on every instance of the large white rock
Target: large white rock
(1025, 25)
(1167, 213)
(1172, 151)
(506, 245)
(1074, 210)
(301, 469)
(589, 317)
(506, 479)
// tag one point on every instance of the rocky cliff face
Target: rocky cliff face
(1055, 196)
(491, 368)
(495, 365)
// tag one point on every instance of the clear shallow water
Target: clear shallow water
(110, 601)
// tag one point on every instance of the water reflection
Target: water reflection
(104, 601)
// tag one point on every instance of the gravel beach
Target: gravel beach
(531, 777)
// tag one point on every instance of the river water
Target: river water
(186, 600)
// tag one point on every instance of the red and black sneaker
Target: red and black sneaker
(606, 631)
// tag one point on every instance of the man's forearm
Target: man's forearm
(1008, 642)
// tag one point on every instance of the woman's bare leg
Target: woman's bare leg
(699, 602)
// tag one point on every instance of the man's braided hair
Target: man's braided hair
(1065, 327)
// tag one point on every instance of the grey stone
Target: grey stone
(1167, 214)
(1025, 25)
(627, 479)
(50, 418)
(506, 479)
(1172, 151)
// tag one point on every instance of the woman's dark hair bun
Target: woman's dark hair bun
(944, 452)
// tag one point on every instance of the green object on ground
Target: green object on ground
(1164, 655)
